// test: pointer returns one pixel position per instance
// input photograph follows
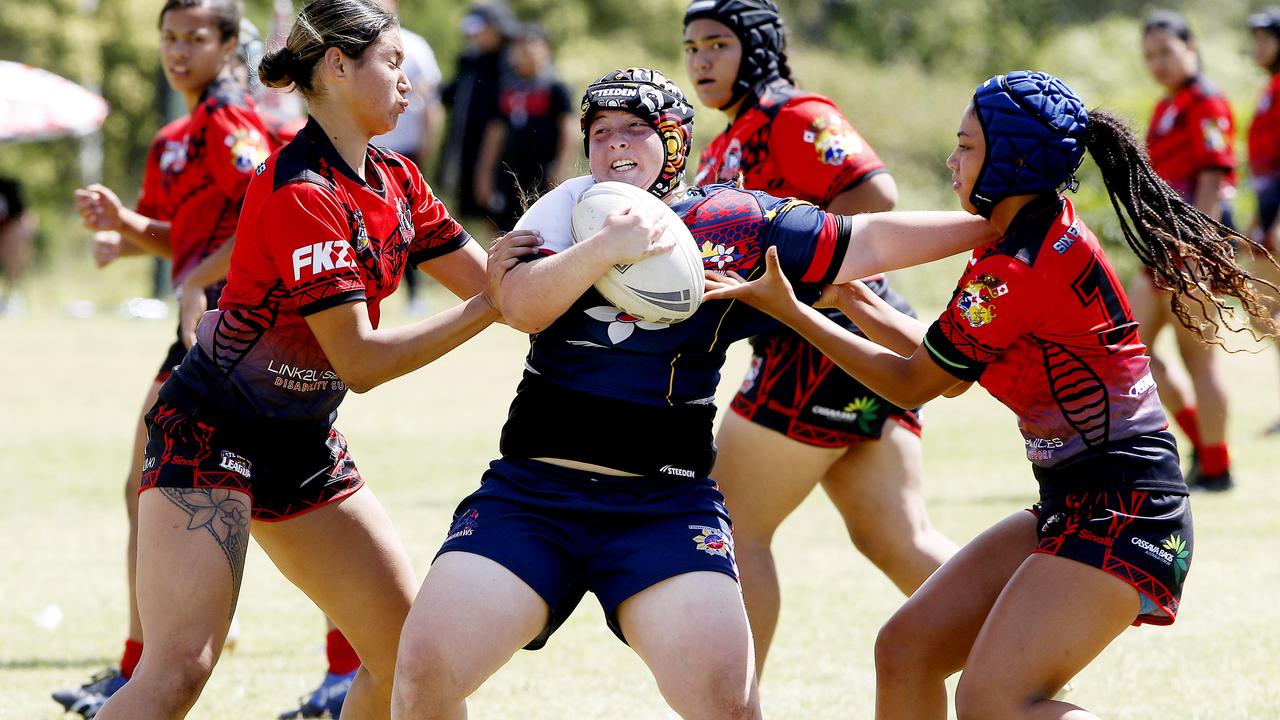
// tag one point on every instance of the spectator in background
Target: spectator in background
(17, 236)
(1264, 147)
(418, 132)
(1191, 141)
(472, 97)
(530, 146)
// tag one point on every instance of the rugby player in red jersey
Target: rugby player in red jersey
(1191, 141)
(797, 420)
(1264, 144)
(241, 437)
(1039, 319)
(196, 172)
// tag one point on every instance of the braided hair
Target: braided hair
(1192, 255)
(1037, 131)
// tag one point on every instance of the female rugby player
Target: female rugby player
(797, 420)
(197, 169)
(1191, 141)
(241, 437)
(1040, 320)
(603, 481)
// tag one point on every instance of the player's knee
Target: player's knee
(977, 699)
(902, 647)
(176, 679)
(425, 679)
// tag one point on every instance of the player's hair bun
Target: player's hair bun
(275, 69)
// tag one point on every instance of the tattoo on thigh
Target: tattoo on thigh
(226, 517)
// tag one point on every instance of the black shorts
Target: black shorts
(1268, 191)
(1142, 536)
(791, 387)
(286, 470)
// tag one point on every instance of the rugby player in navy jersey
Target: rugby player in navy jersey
(242, 437)
(603, 482)
(1040, 320)
(798, 421)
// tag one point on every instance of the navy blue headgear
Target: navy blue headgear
(758, 27)
(1034, 127)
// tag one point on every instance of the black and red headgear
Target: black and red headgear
(758, 26)
(649, 95)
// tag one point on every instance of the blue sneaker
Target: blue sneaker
(89, 698)
(326, 700)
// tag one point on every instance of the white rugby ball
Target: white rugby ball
(665, 288)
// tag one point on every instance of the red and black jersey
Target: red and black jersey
(1264, 132)
(1040, 320)
(204, 170)
(166, 159)
(790, 144)
(1191, 132)
(312, 235)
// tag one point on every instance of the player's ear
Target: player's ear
(336, 61)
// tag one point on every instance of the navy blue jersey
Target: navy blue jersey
(628, 376)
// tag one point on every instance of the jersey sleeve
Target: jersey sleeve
(811, 243)
(306, 232)
(436, 233)
(235, 145)
(561, 103)
(1215, 132)
(988, 311)
(151, 198)
(552, 216)
(819, 151)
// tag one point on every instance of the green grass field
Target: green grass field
(71, 391)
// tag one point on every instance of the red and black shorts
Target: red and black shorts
(1142, 536)
(791, 387)
(286, 470)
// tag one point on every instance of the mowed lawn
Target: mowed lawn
(70, 391)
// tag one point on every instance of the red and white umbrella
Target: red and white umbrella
(35, 104)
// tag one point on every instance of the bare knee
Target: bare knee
(978, 699)
(719, 697)
(903, 649)
(426, 685)
(174, 680)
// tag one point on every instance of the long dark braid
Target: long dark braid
(1191, 254)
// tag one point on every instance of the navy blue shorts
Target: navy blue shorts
(564, 532)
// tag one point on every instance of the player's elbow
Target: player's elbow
(523, 317)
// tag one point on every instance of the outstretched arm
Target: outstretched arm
(365, 357)
(908, 381)
(879, 242)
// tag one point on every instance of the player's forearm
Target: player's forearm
(881, 322)
(461, 271)
(365, 357)
(149, 234)
(211, 269)
(882, 370)
(536, 293)
(880, 242)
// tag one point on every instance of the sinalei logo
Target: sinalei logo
(1177, 546)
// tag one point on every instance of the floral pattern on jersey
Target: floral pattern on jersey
(621, 324)
(718, 254)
